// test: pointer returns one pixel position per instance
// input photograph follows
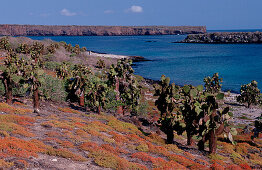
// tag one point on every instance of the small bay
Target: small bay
(184, 63)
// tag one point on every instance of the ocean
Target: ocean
(184, 63)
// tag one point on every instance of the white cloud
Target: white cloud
(108, 11)
(135, 9)
(67, 13)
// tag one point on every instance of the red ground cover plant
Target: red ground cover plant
(119, 137)
(216, 166)
(68, 110)
(233, 167)
(181, 160)
(157, 163)
(14, 147)
(245, 166)
(158, 149)
(4, 107)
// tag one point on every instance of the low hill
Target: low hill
(73, 30)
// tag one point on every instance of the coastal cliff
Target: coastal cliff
(46, 30)
(225, 37)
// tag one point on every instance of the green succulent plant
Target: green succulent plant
(100, 64)
(258, 127)
(96, 94)
(78, 83)
(8, 75)
(23, 48)
(214, 122)
(76, 49)
(121, 78)
(33, 79)
(4, 44)
(63, 71)
(213, 84)
(249, 93)
(52, 48)
(166, 103)
(190, 109)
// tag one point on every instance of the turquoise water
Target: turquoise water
(184, 63)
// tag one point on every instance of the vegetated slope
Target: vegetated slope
(66, 136)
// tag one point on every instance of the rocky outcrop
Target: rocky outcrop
(45, 30)
(225, 37)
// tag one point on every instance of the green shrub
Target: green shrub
(53, 89)
(51, 65)
(142, 109)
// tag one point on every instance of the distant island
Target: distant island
(74, 30)
(224, 38)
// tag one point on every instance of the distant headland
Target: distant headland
(224, 38)
(75, 30)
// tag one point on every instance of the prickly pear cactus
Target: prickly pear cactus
(213, 84)
(100, 64)
(63, 71)
(76, 49)
(96, 94)
(190, 109)
(8, 74)
(167, 104)
(78, 83)
(121, 78)
(4, 44)
(258, 127)
(214, 122)
(52, 48)
(23, 48)
(249, 93)
(33, 79)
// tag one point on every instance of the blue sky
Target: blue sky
(215, 14)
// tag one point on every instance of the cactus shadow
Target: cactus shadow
(234, 104)
(190, 148)
(79, 108)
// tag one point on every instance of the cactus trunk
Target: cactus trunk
(248, 105)
(189, 139)
(212, 142)
(36, 99)
(82, 99)
(220, 130)
(119, 108)
(8, 90)
(170, 136)
(99, 109)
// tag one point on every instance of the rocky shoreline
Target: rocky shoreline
(105, 55)
(224, 38)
